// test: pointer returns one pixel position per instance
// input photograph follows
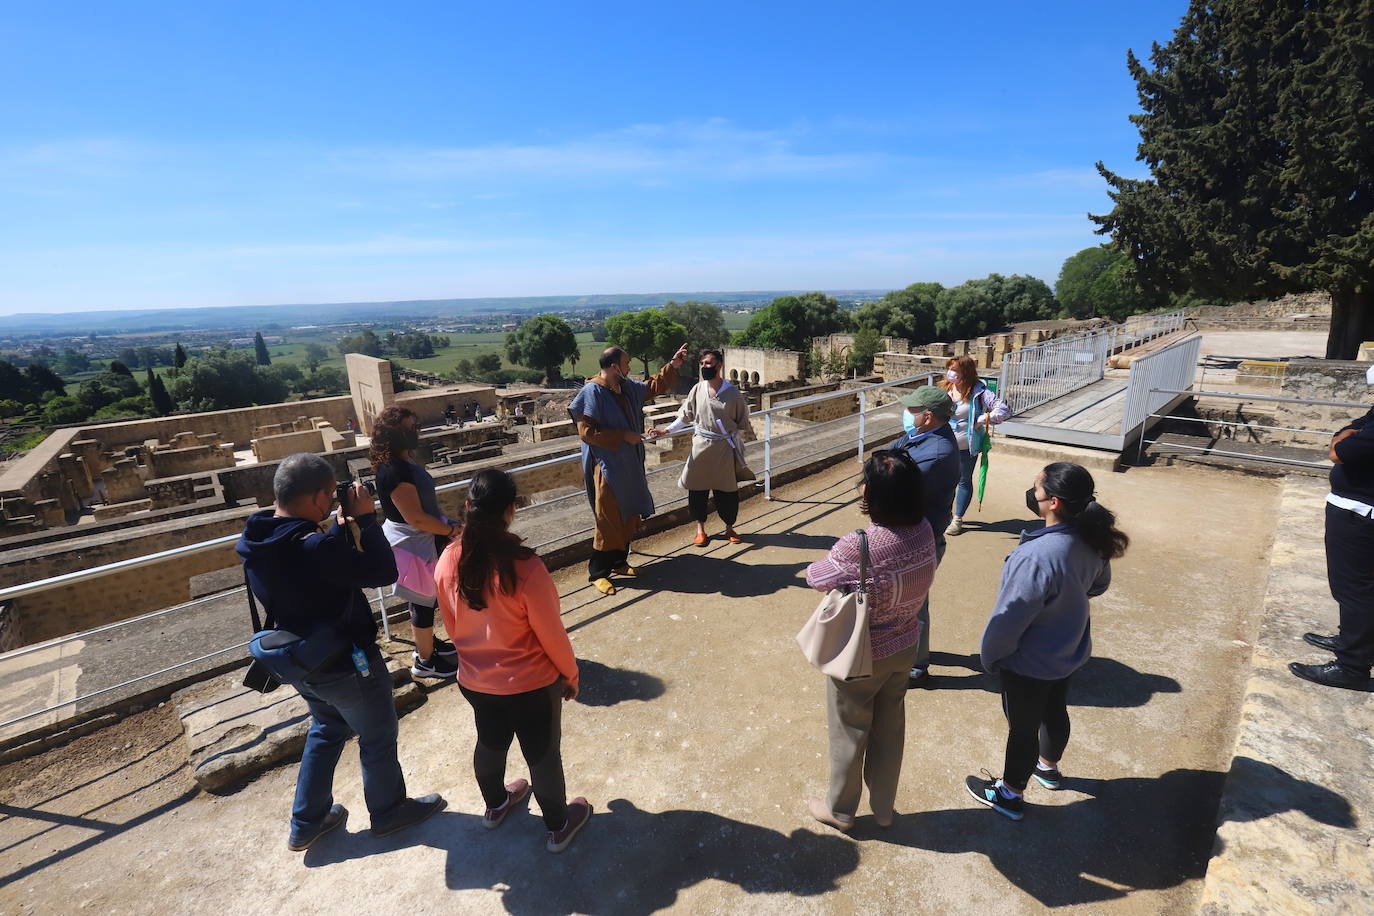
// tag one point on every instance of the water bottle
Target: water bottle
(360, 662)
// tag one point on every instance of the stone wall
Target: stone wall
(760, 366)
(276, 447)
(1322, 380)
(95, 602)
(234, 426)
(370, 387)
(172, 462)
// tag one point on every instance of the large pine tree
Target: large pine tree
(1258, 129)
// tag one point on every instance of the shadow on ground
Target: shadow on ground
(1103, 682)
(627, 860)
(602, 685)
(1128, 834)
(719, 577)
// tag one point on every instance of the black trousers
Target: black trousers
(604, 562)
(1037, 724)
(727, 505)
(535, 718)
(1350, 572)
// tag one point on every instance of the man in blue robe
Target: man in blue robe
(609, 412)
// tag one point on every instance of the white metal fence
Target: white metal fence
(807, 443)
(1038, 374)
(1170, 368)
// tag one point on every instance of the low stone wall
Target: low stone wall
(198, 458)
(274, 448)
(234, 426)
(543, 432)
(1323, 380)
(1294, 832)
(95, 602)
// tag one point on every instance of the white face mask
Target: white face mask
(952, 376)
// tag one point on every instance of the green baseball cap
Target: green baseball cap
(928, 397)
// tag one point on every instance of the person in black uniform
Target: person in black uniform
(1349, 552)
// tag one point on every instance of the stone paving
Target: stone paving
(700, 733)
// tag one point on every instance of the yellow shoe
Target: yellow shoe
(626, 571)
(604, 586)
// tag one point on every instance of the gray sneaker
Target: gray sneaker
(956, 527)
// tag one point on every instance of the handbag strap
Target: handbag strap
(863, 561)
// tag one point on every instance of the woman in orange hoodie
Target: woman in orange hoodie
(515, 663)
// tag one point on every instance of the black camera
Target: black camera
(345, 488)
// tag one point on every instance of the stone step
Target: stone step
(1050, 452)
(235, 733)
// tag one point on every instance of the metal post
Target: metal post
(768, 456)
(863, 401)
(386, 625)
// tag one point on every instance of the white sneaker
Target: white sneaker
(956, 527)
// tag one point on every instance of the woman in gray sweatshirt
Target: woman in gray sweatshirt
(1039, 633)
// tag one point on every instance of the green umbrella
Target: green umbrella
(983, 466)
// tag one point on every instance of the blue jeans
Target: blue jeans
(342, 705)
(963, 493)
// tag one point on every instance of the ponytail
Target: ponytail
(487, 545)
(1090, 520)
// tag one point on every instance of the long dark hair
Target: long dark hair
(487, 544)
(1091, 520)
(388, 436)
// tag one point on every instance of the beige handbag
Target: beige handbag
(836, 638)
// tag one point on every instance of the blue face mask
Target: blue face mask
(908, 422)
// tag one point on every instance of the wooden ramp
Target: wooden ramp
(1091, 417)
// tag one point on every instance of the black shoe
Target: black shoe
(436, 666)
(409, 813)
(336, 816)
(919, 677)
(445, 648)
(1050, 778)
(1330, 675)
(986, 792)
(1329, 643)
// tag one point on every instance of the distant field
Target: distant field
(464, 346)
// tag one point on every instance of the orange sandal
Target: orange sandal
(700, 540)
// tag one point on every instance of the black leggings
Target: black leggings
(1037, 723)
(727, 505)
(534, 717)
(421, 616)
(605, 562)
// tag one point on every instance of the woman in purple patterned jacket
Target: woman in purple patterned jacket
(867, 718)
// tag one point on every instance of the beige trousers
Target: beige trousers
(867, 723)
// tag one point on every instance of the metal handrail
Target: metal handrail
(1231, 395)
(12, 592)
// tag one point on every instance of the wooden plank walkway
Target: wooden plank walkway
(1097, 408)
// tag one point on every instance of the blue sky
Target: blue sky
(214, 153)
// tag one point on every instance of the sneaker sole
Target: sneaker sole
(432, 674)
(1008, 814)
(1047, 783)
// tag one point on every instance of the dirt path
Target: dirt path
(700, 733)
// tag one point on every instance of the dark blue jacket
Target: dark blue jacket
(1353, 478)
(305, 578)
(936, 452)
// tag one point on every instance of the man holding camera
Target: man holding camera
(306, 577)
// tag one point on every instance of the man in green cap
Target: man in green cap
(931, 443)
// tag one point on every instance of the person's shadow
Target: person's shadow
(1129, 834)
(626, 860)
(602, 685)
(1103, 682)
(705, 574)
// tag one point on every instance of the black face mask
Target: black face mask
(1032, 503)
(708, 372)
(411, 439)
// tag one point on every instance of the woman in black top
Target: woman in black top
(417, 531)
